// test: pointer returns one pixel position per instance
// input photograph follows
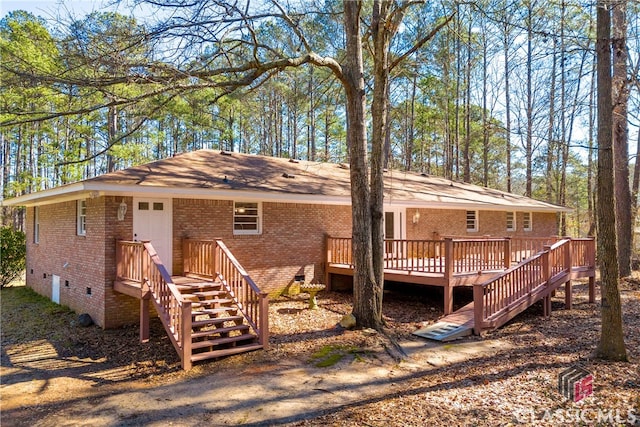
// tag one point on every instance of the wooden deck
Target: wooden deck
(499, 293)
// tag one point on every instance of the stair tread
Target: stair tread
(199, 287)
(214, 311)
(215, 321)
(208, 303)
(220, 341)
(205, 294)
(223, 330)
(225, 352)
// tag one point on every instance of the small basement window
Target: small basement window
(81, 220)
(472, 221)
(246, 218)
(511, 221)
(527, 221)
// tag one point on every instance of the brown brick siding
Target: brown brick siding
(292, 240)
(437, 223)
(86, 256)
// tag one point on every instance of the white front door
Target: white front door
(394, 228)
(152, 220)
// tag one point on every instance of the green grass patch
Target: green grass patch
(28, 316)
(329, 355)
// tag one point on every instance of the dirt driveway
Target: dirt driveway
(64, 375)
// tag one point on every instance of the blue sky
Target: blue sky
(50, 9)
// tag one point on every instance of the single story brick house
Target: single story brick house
(274, 215)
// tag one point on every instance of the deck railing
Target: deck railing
(446, 256)
(583, 252)
(471, 255)
(518, 287)
(139, 261)
(212, 258)
(129, 261)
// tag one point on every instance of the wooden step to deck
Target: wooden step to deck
(220, 341)
(215, 312)
(209, 294)
(211, 302)
(199, 287)
(224, 330)
(445, 331)
(215, 321)
(225, 352)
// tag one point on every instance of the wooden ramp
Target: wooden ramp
(500, 299)
(456, 325)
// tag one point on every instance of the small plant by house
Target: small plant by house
(13, 253)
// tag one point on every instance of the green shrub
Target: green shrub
(13, 252)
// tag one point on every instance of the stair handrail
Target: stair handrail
(173, 309)
(510, 288)
(250, 300)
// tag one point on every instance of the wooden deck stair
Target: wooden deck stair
(218, 327)
(214, 310)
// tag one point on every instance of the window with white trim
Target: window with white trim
(472, 221)
(36, 224)
(511, 221)
(246, 218)
(81, 218)
(527, 221)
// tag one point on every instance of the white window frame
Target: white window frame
(258, 217)
(527, 223)
(511, 221)
(81, 217)
(36, 224)
(475, 227)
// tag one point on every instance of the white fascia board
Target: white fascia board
(484, 207)
(214, 194)
(52, 195)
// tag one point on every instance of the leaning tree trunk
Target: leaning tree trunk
(611, 346)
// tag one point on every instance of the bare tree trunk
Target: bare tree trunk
(590, 192)
(507, 96)
(529, 136)
(466, 176)
(366, 292)
(611, 345)
(620, 93)
(551, 127)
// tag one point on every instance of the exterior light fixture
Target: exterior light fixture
(416, 216)
(122, 210)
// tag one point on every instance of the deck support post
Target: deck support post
(448, 299)
(448, 275)
(568, 298)
(507, 252)
(264, 320)
(185, 335)
(144, 316)
(478, 308)
(144, 296)
(546, 274)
